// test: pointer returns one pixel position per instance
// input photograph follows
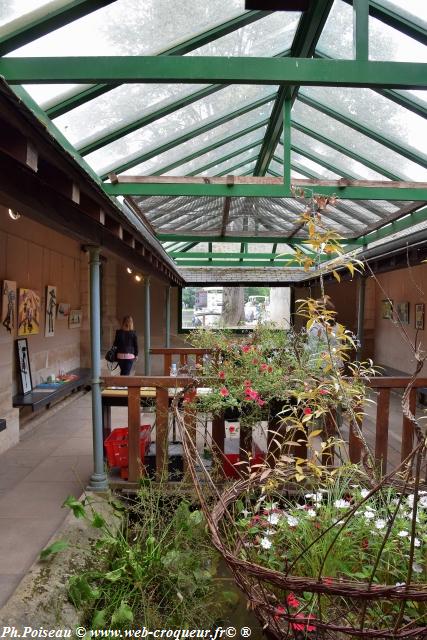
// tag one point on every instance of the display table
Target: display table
(46, 396)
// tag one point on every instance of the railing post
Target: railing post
(134, 411)
(354, 444)
(190, 421)
(162, 428)
(147, 327)
(98, 480)
(381, 435)
(407, 427)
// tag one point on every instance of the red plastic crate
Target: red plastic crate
(117, 445)
(230, 460)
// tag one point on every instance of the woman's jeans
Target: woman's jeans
(125, 366)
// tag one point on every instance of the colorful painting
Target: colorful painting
(75, 319)
(402, 310)
(419, 316)
(24, 365)
(387, 309)
(49, 325)
(8, 305)
(28, 312)
(63, 310)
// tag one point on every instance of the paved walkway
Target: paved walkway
(51, 462)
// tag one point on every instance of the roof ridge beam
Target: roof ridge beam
(180, 49)
(304, 44)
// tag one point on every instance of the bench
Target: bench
(44, 398)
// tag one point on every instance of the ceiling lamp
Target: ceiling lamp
(14, 214)
(129, 270)
(278, 5)
(138, 278)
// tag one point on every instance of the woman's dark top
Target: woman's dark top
(126, 342)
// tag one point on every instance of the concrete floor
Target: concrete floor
(54, 460)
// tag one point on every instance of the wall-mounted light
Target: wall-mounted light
(138, 278)
(129, 270)
(14, 214)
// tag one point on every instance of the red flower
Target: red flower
(251, 394)
(231, 429)
(246, 348)
(224, 392)
(328, 580)
(221, 375)
(299, 626)
(307, 411)
(292, 601)
(264, 367)
(365, 543)
(323, 392)
(247, 383)
(260, 402)
(270, 369)
(279, 611)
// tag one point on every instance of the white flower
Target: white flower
(423, 502)
(269, 532)
(273, 518)
(315, 497)
(368, 508)
(265, 543)
(417, 567)
(369, 515)
(311, 513)
(400, 584)
(380, 524)
(292, 522)
(245, 513)
(341, 504)
(403, 534)
(417, 542)
(364, 492)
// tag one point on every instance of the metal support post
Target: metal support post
(168, 317)
(361, 29)
(147, 327)
(361, 315)
(98, 480)
(287, 144)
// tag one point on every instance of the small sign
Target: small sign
(232, 429)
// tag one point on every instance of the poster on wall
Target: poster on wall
(24, 369)
(63, 310)
(75, 319)
(387, 309)
(49, 325)
(28, 312)
(402, 310)
(8, 305)
(419, 315)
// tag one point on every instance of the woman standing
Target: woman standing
(127, 346)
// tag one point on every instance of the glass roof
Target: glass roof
(207, 130)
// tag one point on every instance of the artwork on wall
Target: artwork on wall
(8, 305)
(28, 312)
(402, 310)
(387, 309)
(63, 310)
(24, 365)
(75, 319)
(419, 316)
(49, 326)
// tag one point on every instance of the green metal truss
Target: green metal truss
(394, 227)
(233, 154)
(304, 43)
(128, 164)
(398, 19)
(178, 50)
(205, 70)
(229, 171)
(205, 237)
(411, 103)
(40, 22)
(397, 147)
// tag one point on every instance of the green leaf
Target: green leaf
(230, 598)
(76, 506)
(99, 620)
(98, 521)
(196, 517)
(114, 576)
(80, 590)
(56, 547)
(122, 615)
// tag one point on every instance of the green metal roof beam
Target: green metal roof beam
(324, 163)
(263, 190)
(180, 49)
(241, 263)
(205, 70)
(397, 225)
(307, 34)
(411, 103)
(229, 171)
(43, 20)
(211, 147)
(397, 147)
(167, 237)
(189, 135)
(347, 152)
(223, 255)
(218, 161)
(401, 20)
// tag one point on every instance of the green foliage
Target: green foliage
(53, 549)
(157, 570)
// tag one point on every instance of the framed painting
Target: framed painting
(49, 325)
(8, 305)
(24, 369)
(419, 316)
(75, 319)
(28, 312)
(386, 309)
(63, 310)
(402, 311)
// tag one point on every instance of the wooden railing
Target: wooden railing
(162, 385)
(182, 356)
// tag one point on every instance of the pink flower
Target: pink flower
(246, 348)
(224, 392)
(247, 383)
(221, 375)
(251, 394)
(264, 367)
(270, 369)
(299, 626)
(292, 601)
(279, 611)
(323, 392)
(307, 411)
(260, 402)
